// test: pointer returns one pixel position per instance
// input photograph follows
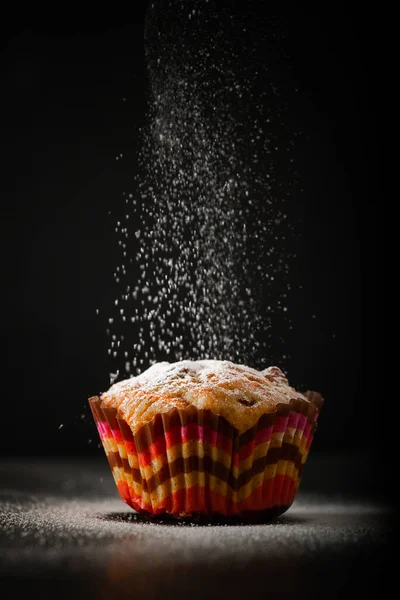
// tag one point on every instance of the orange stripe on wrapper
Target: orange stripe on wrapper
(158, 466)
(197, 499)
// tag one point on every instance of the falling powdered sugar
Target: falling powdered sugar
(204, 263)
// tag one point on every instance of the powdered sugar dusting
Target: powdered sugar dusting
(163, 373)
(236, 392)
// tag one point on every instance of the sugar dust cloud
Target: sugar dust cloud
(204, 269)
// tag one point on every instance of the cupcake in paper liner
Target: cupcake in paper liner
(207, 440)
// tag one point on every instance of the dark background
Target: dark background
(64, 120)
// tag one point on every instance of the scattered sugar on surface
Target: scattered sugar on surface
(65, 517)
(204, 262)
(45, 528)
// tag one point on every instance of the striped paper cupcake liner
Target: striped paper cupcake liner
(192, 463)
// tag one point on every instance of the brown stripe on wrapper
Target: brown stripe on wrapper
(287, 452)
(115, 460)
(161, 424)
(94, 403)
(126, 431)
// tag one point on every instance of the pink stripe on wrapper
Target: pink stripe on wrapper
(302, 422)
(307, 430)
(308, 442)
(217, 439)
(293, 419)
(280, 424)
(264, 435)
(104, 429)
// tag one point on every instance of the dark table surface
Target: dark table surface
(64, 532)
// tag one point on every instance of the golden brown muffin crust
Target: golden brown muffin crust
(238, 393)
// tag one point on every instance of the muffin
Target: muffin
(207, 439)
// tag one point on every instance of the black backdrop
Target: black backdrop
(64, 121)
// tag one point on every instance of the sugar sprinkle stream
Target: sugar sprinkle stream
(204, 265)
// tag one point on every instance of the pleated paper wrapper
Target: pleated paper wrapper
(193, 464)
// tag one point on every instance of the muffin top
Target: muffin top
(239, 394)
